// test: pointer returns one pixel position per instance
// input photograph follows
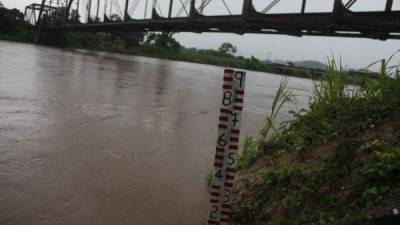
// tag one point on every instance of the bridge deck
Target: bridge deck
(340, 22)
(378, 25)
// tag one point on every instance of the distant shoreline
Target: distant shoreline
(188, 55)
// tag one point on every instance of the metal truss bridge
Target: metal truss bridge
(190, 16)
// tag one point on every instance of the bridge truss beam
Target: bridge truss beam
(341, 22)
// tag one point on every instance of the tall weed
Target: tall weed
(253, 149)
(335, 109)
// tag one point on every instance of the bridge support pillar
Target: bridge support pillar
(36, 36)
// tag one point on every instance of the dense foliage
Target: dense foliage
(165, 46)
(13, 26)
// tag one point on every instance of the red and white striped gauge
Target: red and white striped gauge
(227, 146)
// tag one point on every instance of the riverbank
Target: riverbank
(335, 163)
(201, 56)
(147, 48)
(13, 27)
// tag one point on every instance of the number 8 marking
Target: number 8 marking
(227, 98)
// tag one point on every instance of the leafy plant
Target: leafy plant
(386, 165)
(249, 155)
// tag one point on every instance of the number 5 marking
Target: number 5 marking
(231, 159)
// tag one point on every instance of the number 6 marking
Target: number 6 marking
(221, 141)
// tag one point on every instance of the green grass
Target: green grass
(336, 108)
(335, 162)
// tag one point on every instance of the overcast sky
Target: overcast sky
(356, 53)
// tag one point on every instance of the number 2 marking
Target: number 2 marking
(214, 212)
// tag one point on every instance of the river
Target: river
(110, 139)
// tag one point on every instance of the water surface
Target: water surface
(109, 139)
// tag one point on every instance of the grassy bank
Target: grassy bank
(337, 162)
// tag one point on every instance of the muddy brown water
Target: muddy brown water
(108, 139)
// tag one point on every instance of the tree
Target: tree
(10, 19)
(115, 18)
(133, 39)
(74, 16)
(227, 49)
(163, 40)
(1, 5)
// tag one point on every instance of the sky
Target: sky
(353, 52)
